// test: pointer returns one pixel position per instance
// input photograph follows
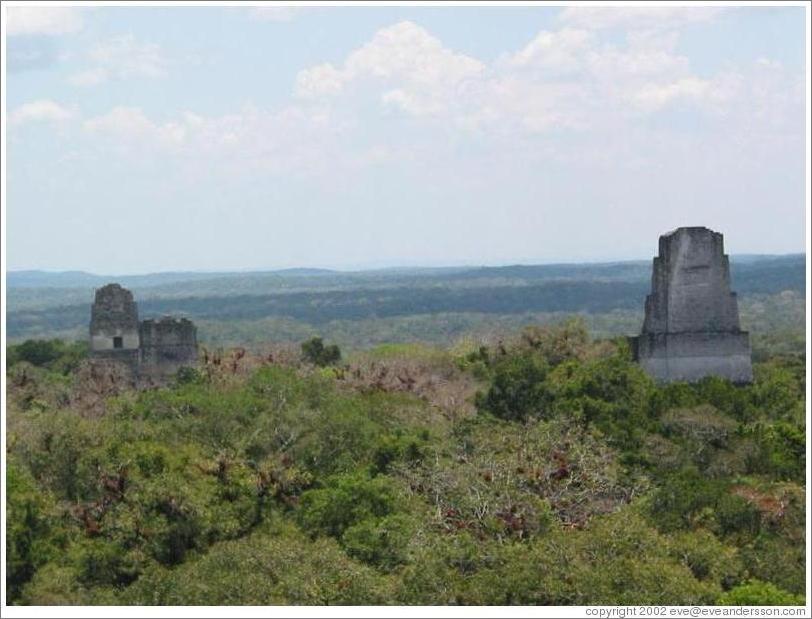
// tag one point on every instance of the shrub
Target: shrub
(702, 425)
(103, 563)
(611, 394)
(735, 514)
(284, 486)
(757, 593)
(562, 342)
(707, 557)
(379, 541)
(517, 389)
(395, 447)
(314, 351)
(32, 534)
(345, 501)
(335, 438)
(780, 560)
(726, 397)
(276, 564)
(35, 352)
(781, 450)
(701, 431)
(616, 560)
(189, 376)
(52, 354)
(777, 392)
(682, 498)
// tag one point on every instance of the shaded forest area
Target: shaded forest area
(456, 437)
(545, 468)
(231, 309)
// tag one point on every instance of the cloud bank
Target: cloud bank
(419, 93)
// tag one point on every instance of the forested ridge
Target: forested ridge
(359, 309)
(540, 467)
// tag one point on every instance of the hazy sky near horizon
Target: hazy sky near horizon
(144, 139)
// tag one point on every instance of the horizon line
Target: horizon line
(371, 268)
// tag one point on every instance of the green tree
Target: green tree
(381, 542)
(611, 394)
(52, 354)
(345, 501)
(758, 593)
(517, 388)
(33, 536)
(315, 352)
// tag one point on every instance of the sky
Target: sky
(144, 139)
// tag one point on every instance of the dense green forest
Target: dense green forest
(542, 467)
(434, 306)
(458, 436)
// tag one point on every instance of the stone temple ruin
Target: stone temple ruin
(149, 347)
(691, 329)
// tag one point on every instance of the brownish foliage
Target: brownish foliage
(90, 514)
(437, 382)
(499, 478)
(97, 380)
(772, 505)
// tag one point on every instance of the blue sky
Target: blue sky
(212, 138)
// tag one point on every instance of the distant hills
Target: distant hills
(632, 269)
(44, 303)
(83, 279)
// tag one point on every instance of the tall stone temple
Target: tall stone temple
(149, 347)
(691, 328)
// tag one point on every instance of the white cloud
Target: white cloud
(417, 73)
(251, 140)
(130, 124)
(121, 57)
(321, 80)
(631, 64)
(559, 51)
(563, 79)
(42, 110)
(40, 20)
(404, 93)
(655, 96)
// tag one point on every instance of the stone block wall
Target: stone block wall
(155, 347)
(168, 344)
(670, 357)
(691, 327)
(113, 322)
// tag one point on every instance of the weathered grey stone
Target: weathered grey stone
(691, 328)
(168, 344)
(153, 347)
(114, 326)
